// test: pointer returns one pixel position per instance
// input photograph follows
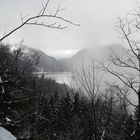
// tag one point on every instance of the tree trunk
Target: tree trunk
(95, 121)
(137, 132)
(138, 110)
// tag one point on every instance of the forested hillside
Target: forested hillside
(38, 108)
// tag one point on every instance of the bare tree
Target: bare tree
(88, 81)
(89, 85)
(126, 66)
(39, 20)
(105, 100)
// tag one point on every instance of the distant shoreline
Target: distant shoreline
(38, 73)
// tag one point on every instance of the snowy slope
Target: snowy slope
(6, 135)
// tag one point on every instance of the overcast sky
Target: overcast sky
(97, 19)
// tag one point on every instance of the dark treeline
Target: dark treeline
(34, 108)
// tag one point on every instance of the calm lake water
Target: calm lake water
(60, 77)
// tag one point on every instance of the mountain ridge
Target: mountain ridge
(50, 64)
(86, 55)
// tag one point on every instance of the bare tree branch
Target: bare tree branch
(123, 92)
(34, 20)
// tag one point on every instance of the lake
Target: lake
(59, 77)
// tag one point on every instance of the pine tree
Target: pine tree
(76, 105)
(65, 115)
(16, 94)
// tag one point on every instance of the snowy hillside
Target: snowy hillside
(6, 135)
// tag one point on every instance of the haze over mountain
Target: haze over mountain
(84, 56)
(45, 62)
(103, 54)
(48, 63)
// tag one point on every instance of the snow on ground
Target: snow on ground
(6, 135)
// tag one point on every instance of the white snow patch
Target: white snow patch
(1, 80)
(6, 135)
(133, 133)
(7, 119)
